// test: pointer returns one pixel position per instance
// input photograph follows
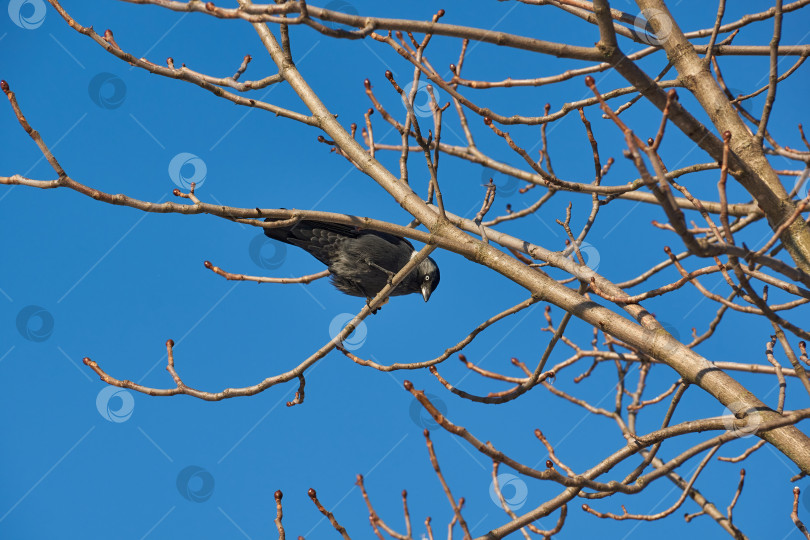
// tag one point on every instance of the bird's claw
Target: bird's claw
(378, 308)
(381, 269)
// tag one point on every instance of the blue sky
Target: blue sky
(81, 278)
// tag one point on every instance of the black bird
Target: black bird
(361, 262)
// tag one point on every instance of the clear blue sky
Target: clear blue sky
(78, 459)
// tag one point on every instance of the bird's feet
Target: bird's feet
(383, 270)
(374, 311)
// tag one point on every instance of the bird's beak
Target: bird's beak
(425, 292)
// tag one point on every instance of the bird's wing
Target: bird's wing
(333, 243)
(385, 251)
(351, 231)
(348, 231)
(323, 243)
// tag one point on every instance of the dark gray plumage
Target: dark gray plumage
(360, 261)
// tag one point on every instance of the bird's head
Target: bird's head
(428, 275)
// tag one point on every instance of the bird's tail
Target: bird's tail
(282, 234)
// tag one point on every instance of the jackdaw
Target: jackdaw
(361, 262)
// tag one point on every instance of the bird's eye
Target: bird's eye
(427, 278)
